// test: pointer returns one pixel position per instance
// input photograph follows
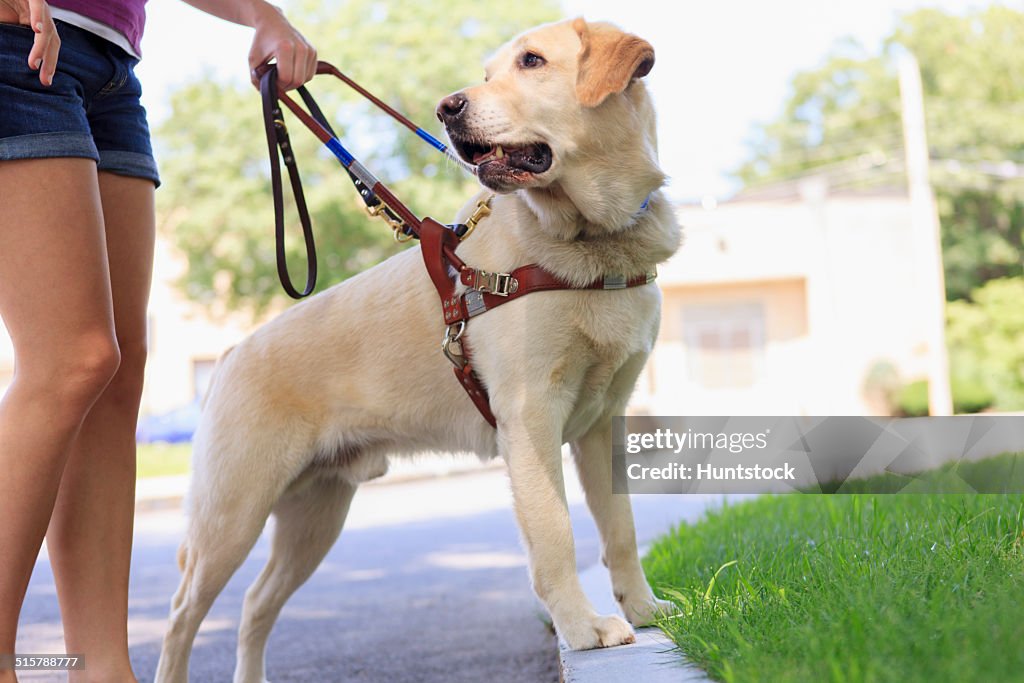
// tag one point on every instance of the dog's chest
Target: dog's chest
(611, 337)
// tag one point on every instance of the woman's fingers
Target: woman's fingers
(256, 60)
(46, 44)
(305, 62)
(275, 39)
(310, 63)
(286, 65)
(50, 60)
(296, 62)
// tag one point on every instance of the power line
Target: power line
(1004, 169)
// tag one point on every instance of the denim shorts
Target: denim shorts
(92, 110)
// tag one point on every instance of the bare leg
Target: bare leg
(308, 522)
(531, 449)
(90, 534)
(613, 515)
(55, 301)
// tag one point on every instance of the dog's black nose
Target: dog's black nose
(452, 107)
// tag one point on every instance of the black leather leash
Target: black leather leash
(402, 221)
(278, 141)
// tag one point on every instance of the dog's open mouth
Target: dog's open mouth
(532, 158)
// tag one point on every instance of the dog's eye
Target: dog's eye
(531, 60)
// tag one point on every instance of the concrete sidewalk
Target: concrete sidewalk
(653, 658)
(430, 558)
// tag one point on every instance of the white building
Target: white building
(783, 303)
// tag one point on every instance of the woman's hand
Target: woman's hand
(277, 39)
(36, 14)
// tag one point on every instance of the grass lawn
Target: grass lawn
(862, 587)
(161, 460)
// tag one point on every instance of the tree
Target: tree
(215, 204)
(843, 120)
(986, 340)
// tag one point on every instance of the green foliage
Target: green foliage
(986, 339)
(163, 460)
(903, 588)
(842, 120)
(970, 395)
(216, 203)
(881, 386)
(912, 401)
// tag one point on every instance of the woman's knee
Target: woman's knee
(126, 386)
(91, 365)
(73, 374)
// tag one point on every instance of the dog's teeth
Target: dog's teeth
(499, 152)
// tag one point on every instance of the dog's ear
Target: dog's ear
(609, 60)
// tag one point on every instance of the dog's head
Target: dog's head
(554, 99)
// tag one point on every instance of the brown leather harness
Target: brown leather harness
(438, 243)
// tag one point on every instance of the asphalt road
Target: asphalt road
(427, 583)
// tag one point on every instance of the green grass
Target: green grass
(851, 587)
(1004, 474)
(162, 460)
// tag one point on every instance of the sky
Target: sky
(722, 66)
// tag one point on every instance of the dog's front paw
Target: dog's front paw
(597, 631)
(646, 610)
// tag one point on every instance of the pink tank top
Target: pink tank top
(128, 17)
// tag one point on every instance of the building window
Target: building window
(724, 344)
(202, 373)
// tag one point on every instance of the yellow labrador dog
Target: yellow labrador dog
(314, 403)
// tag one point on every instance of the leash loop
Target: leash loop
(280, 147)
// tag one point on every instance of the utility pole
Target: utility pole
(927, 235)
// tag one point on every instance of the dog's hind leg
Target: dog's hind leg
(613, 515)
(236, 481)
(211, 553)
(308, 519)
(208, 559)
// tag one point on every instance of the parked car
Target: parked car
(175, 426)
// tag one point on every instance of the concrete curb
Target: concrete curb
(653, 658)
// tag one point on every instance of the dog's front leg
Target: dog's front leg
(613, 515)
(531, 448)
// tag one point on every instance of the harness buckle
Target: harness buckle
(453, 335)
(500, 284)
